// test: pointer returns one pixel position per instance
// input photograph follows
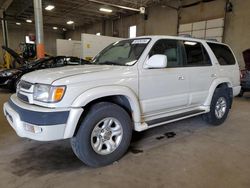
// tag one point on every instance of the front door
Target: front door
(166, 89)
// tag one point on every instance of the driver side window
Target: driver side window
(171, 49)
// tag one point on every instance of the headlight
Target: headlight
(6, 73)
(9, 72)
(47, 93)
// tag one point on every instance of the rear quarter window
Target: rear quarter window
(223, 54)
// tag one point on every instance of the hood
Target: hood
(15, 55)
(9, 72)
(48, 76)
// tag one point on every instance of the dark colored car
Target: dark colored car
(10, 77)
(245, 74)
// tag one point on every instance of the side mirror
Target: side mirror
(156, 62)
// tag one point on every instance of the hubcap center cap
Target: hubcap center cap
(105, 134)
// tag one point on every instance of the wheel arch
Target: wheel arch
(218, 83)
(120, 95)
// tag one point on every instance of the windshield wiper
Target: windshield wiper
(109, 63)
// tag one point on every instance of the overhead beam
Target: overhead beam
(5, 6)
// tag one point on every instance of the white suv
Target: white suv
(133, 84)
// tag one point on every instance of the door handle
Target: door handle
(181, 78)
(213, 75)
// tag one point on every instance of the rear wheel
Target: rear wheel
(104, 135)
(219, 107)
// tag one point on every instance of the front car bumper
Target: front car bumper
(39, 123)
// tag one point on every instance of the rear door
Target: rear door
(200, 70)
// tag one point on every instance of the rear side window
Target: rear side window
(196, 54)
(222, 53)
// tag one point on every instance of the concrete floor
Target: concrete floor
(186, 154)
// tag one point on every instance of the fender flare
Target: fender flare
(105, 91)
(213, 86)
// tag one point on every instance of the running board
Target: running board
(173, 117)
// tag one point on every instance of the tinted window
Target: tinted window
(196, 54)
(171, 49)
(222, 53)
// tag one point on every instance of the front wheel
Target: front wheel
(104, 135)
(219, 107)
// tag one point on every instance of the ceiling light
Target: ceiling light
(50, 7)
(105, 10)
(64, 29)
(55, 28)
(70, 22)
(18, 23)
(29, 21)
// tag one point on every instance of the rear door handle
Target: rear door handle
(181, 78)
(213, 75)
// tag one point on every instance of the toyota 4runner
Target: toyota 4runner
(133, 84)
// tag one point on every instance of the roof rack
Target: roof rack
(190, 36)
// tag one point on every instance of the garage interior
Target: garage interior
(187, 153)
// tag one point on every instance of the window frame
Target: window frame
(185, 64)
(179, 52)
(225, 46)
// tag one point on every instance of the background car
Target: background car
(245, 74)
(10, 77)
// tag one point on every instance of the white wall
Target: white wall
(68, 47)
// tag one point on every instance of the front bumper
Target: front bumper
(39, 123)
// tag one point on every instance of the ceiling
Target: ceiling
(82, 12)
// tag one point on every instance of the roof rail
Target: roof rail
(186, 35)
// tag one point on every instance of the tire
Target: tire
(221, 96)
(85, 143)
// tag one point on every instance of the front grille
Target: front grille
(23, 97)
(25, 85)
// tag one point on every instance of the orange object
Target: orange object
(40, 51)
(58, 94)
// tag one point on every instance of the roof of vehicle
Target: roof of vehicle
(177, 37)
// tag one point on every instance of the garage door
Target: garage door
(208, 29)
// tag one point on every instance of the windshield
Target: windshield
(123, 53)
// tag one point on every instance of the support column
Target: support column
(5, 31)
(40, 50)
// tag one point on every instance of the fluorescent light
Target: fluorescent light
(55, 28)
(105, 10)
(70, 22)
(50, 7)
(29, 21)
(190, 43)
(18, 23)
(64, 29)
(98, 34)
